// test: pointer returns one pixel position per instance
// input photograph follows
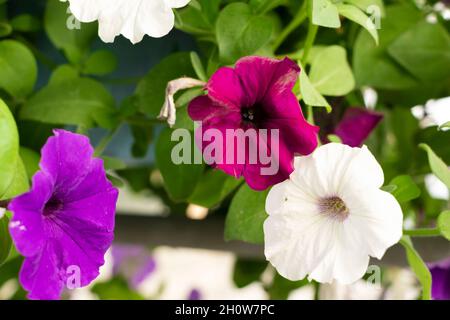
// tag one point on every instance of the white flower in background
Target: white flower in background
(131, 18)
(436, 188)
(434, 113)
(2, 212)
(360, 290)
(330, 216)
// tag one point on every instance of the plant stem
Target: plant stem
(297, 21)
(104, 142)
(310, 37)
(423, 232)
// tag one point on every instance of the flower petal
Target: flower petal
(224, 87)
(40, 276)
(377, 216)
(177, 3)
(26, 225)
(356, 125)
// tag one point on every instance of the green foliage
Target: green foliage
(77, 101)
(240, 32)
(247, 271)
(18, 69)
(13, 178)
(152, 88)
(418, 266)
(404, 189)
(444, 224)
(5, 240)
(246, 216)
(438, 167)
(179, 179)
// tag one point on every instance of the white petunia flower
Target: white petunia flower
(131, 18)
(330, 216)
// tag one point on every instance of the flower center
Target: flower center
(248, 114)
(52, 206)
(334, 207)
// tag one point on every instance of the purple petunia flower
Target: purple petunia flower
(440, 273)
(134, 262)
(255, 96)
(356, 125)
(65, 224)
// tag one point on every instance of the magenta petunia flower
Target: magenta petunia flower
(64, 224)
(254, 96)
(440, 273)
(356, 125)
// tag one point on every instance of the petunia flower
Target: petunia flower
(331, 216)
(131, 18)
(356, 125)
(254, 96)
(134, 262)
(64, 225)
(440, 273)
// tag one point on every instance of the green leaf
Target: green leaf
(405, 189)
(142, 137)
(366, 5)
(325, 14)
(75, 101)
(66, 33)
(330, 72)
(198, 17)
(247, 271)
(26, 23)
(180, 180)
(424, 50)
(112, 163)
(18, 69)
(309, 94)
(5, 240)
(151, 89)
(418, 266)
(445, 125)
(100, 63)
(334, 138)
(13, 179)
(198, 66)
(5, 29)
(30, 160)
(246, 216)
(443, 223)
(263, 6)
(438, 166)
(115, 289)
(280, 287)
(372, 65)
(240, 32)
(357, 15)
(213, 187)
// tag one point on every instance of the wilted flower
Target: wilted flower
(131, 18)
(331, 216)
(255, 96)
(64, 224)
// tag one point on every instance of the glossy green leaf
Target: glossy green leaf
(330, 72)
(152, 88)
(405, 188)
(5, 240)
(418, 266)
(30, 160)
(424, 50)
(213, 187)
(198, 66)
(438, 166)
(100, 63)
(325, 14)
(309, 94)
(26, 23)
(240, 32)
(13, 178)
(66, 33)
(18, 69)
(247, 271)
(372, 65)
(357, 15)
(246, 216)
(179, 179)
(77, 101)
(443, 223)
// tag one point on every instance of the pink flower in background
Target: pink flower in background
(255, 95)
(356, 125)
(64, 224)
